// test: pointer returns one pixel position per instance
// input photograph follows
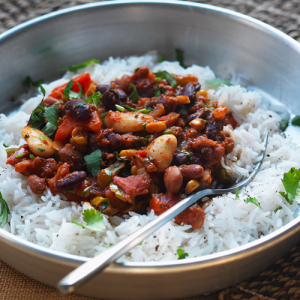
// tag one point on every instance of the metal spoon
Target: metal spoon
(89, 269)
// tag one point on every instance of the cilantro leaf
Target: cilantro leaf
(237, 193)
(159, 58)
(51, 116)
(37, 115)
(252, 200)
(95, 99)
(179, 57)
(4, 211)
(74, 68)
(290, 182)
(214, 83)
(277, 209)
(181, 254)
(93, 162)
(167, 76)
(134, 96)
(69, 94)
(296, 121)
(93, 218)
(283, 124)
(28, 81)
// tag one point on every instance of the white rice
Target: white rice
(46, 220)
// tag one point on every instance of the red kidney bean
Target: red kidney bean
(124, 84)
(122, 95)
(173, 179)
(191, 171)
(102, 88)
(70, 181)
(78, 109)
(37, 184)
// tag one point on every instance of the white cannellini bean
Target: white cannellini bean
(126, 122)
(162, 150)
(39, 144)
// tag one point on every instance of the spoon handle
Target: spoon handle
(89, 269)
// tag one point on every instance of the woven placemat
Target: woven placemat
(281, 280)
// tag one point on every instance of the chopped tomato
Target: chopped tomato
(229, 120)
(65, 129)
(84, 80)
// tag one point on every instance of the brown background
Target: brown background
(281, 280)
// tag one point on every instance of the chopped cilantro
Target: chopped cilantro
(37, 115)
(290, 182)
(95, 99)
(74, 68)
(120, 108)
(179, 57)
(69, 94)
(134, 96)
(19, 155)
(42, 149)
(214, 83)
(159, 58)
(51, 116)
(26, 136)
(277, 209)
(296, 121)
(93, 162)
(31, 156)
(237, 193)
(252, 200)
(167, 76)
(283, 124)
(4, 212)
(182, 254)
(28, 81)
(111, 244)
(93, 218)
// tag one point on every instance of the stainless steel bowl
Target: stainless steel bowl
(209, 36)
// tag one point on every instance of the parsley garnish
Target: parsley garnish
(28, 81)
(290, 182)
(214, 83)
(296, 121)
(179, 57)
(95, 99)
(134, 96)
(167, 76)
(93, 218)
(181, 254)
(252, 200)
(93, 162)
(4, 212)
(75, 68)
(283, 124)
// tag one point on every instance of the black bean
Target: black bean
(78, 109)
(102, 88)
(110, 99)
(115, 141)
(179, 159)
(71, 181)
(122, 95)
(190, 90)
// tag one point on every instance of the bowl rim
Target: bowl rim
(243, 250)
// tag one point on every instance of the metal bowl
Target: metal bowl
(209, 36)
